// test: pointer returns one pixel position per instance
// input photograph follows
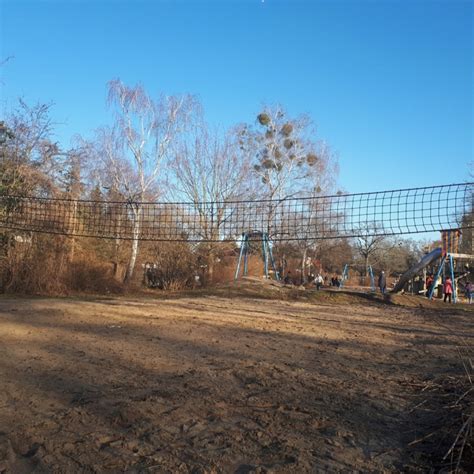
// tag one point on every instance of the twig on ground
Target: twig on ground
(465, 425)
(461, 398)
(416, 441)
(417, 406)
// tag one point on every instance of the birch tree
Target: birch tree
(138, 146)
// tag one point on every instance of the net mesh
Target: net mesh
(395, 212)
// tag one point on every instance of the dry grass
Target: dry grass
(44, 267)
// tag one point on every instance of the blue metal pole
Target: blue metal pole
(440, 268)
(372, 281)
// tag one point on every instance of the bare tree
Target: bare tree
(368, 243)
(334, 254)
(28, 159)
(398, 255)
(210, 170)
(111, 177)
(466, 219)
(288, 162)
(33, 164)
(138, 145)
(2, 64)
(318, 216)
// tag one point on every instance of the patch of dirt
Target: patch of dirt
(246, 378)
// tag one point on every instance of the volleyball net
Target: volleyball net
(394, 212)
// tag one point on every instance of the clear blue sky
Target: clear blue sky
(389, 84)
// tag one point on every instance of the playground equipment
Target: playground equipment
(413, 271)
(445, 258)
(448, 254)
(450, 240)
(267, 254)
(345, 275)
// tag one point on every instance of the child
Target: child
(448, 289)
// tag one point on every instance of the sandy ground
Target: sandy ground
(216, 384)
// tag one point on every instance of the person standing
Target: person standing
(448, 289)
(429, 284)
(382, 282)
(319, 281)
(469, 290)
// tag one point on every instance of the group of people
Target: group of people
(448, 288)
(317, 280)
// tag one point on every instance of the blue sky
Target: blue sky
(389, 84)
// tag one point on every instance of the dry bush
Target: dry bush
(225, 269)
(334, 254)
(176, 265)
(40, 265)
(84, 275)
(34, 266)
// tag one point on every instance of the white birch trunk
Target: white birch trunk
(135, 241)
